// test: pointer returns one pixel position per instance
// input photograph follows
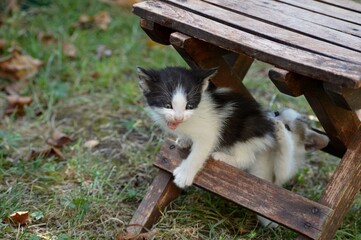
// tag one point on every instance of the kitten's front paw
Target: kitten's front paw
(220, 156)
(183, 176)
(183, 142)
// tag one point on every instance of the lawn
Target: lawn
(89, 185)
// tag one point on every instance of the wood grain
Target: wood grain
(278, 204)
(343, 187)
(160, 193)
(295, 60)
(260, 10)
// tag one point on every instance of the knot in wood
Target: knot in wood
(307, 225)
(315, 210)
(164, 160)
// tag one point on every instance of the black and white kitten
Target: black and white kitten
(213, 121)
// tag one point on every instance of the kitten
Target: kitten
(294, 137)
(212, 121)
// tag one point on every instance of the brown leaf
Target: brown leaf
(141, 236)
(84, 21)
(59, 139)
(20, 218)
(46, 39)
(91, 144)
(19, 66)
(95, 75)
(69, 50)
(16, 104)
(2, 44)
(102, 20)
(45, 153)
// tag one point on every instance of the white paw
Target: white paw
(266, 222)
(183, 176)
(183, 142)
(220, 156)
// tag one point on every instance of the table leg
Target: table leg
(160, 193)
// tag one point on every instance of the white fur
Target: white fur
(203, 130)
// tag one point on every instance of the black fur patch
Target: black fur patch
(247, 120)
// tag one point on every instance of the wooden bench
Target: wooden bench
(315, 47)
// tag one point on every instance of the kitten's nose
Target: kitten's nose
(179, 118)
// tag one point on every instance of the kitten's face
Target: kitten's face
(173, 93)
(299, 127)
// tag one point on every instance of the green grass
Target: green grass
(92, 194)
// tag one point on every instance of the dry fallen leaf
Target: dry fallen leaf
(95, 75)
(59, 139)
(20, 218)
(45, 153)
(46, 39)
(141, 236)
(19, 66)
(16, 104)
(84, 21)
(91, 144)
(2, 44)
(69, 50)
(102, 20)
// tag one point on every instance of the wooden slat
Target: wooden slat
(263, 13)
(346, 4)
(276, 203)
(343, 187)
(269, 31)
(292, 59)
(295, 12)
(160, 193)
(326, 9)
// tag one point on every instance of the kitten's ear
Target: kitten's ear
(144, 79)
(206, 76)
(315, 141)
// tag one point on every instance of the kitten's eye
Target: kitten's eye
(277, 113)
(168, 106)
(189, 106)
(288, 127)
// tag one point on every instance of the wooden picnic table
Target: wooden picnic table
(315, 48)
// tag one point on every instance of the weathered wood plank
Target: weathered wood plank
(289, 58)
(349, 99)
(326, 9)
(269, 31)
(345, 4)
(156, 32)
(343, 187)
(305, 27)
(265, 198)
(199, 54)
(295, 12)
(160, 193)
